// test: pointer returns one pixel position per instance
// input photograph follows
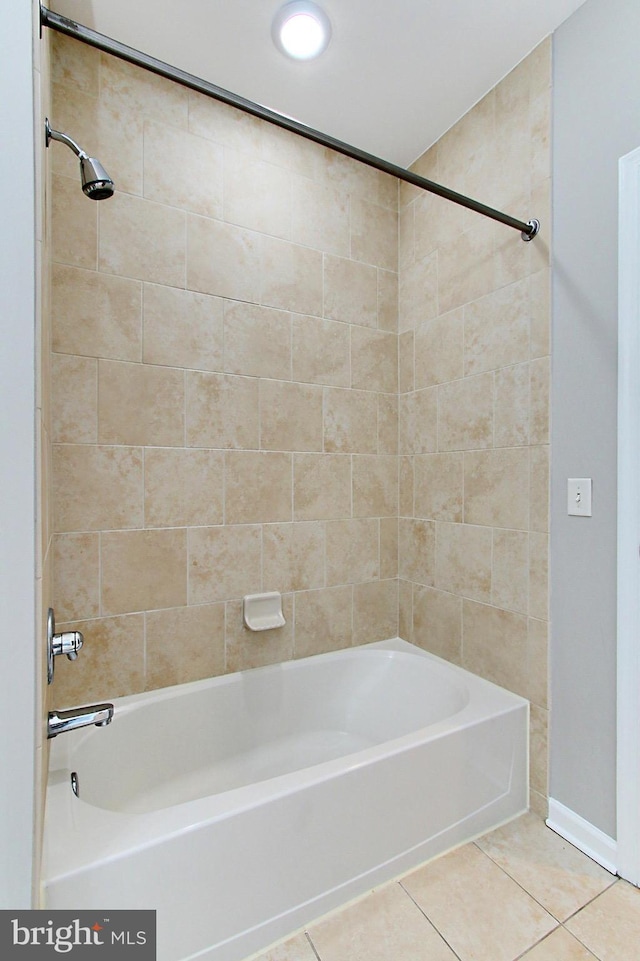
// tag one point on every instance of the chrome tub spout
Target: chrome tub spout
(61, 721)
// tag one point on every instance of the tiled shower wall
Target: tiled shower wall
(226, 390)
(224, 386)
(474, 399)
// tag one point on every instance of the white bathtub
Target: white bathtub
(244, 806)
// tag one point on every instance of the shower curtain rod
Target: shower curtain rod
(48, 18)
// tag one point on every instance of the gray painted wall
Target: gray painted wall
(596, 104)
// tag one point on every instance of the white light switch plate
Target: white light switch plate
(579, 496)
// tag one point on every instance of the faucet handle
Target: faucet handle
(69, 643)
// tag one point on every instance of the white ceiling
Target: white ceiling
(396, 74)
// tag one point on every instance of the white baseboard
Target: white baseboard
(583, 835)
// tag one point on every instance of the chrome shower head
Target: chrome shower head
(96, 182)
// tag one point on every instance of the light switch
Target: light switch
(579, 496)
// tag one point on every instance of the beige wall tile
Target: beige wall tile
(183, 488)
(320, 216)
(494, 645)
(222, 411)
(182, 328)
(375, 611)
(74, 64)
(374, 360)
(418, 293)
(140, 404)
(294, 153)
(323, 620)
(418, 427)
(512, 406)
(510, 575)
(539, 750)
(389, 536)
(247, 649)
(290, 416)
(182, 170)
(387, 423)
(496, 329)
(540, 313)
(184, 644)
(540, 401)
(496, 485)
(350, 291)
(321, 351)
(463, 560)
(416, 545)
(406, 482)
(74, 225)
(224, 562)
(293, 556)
(225, 124)
(95, 314)
(96, 488)
(539, 489)
(223, 259)
(74, 399)
(126, 86)
(349, 175)
(375, 486)
(353, 551)
(155, 247)
(466, 269)
(405, 612)
(111, 663)
(291, 277)
(350, 421)
(406, 237)
(538, 664)
(439, 480)
(406, 361)
(258, 487)
(465, 413)
(257, 195)
(387, 300)
(440, 349)
(76, 571)
(257, 341)
(539, 575)
(437, 623)
(374, 234)
(143, 570)
(106, 131)
(322, 486)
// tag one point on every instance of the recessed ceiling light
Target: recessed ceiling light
(301, 29)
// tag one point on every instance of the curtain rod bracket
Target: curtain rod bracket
(528, 235)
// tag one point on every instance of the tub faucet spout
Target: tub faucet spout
(61, 721)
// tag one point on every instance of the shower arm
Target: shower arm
(63, 138)
(55, 21)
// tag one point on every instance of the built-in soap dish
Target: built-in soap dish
(263, 612)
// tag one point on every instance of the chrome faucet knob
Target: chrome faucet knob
(69, 643)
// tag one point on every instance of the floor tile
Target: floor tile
(559, 946)
(385, 926)
(561, 878)
(610, 925)
(481, 912)
(296, 948)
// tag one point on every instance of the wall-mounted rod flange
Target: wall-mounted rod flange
(530, 234)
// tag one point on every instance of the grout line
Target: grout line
(428, 919)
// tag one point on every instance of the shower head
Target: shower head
(96, 182)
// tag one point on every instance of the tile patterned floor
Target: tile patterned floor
(520, 893)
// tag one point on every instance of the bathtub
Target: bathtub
(242, 807)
